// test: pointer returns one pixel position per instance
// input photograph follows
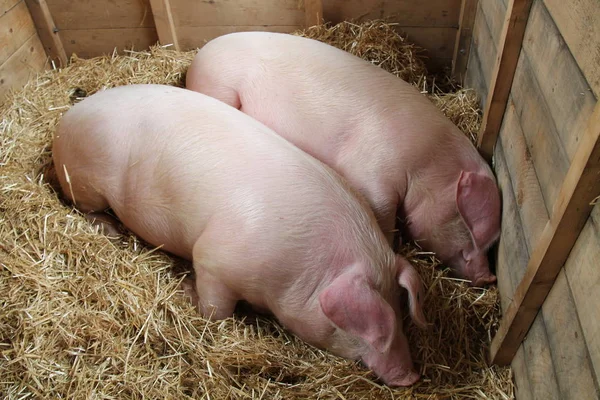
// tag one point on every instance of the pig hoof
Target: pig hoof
(407, 380)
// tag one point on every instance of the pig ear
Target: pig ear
(478, 203)
(353, 306)
(409, 279)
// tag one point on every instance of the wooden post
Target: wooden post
(509, 47)
(462, 45)
(163, 20)
(313, 12)
(571, 211)
(47, 31)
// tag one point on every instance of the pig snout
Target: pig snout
(482, 280)
(394, 367)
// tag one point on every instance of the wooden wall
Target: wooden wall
(553, 95)
(21, 52)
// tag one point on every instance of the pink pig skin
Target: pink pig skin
(388, 140)
(261, 220)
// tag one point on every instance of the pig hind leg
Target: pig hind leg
(214, 299)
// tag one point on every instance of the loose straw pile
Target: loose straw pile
(82, 316)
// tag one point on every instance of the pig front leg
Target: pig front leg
(215, 300)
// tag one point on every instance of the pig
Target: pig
(261, 220)
(384, 137)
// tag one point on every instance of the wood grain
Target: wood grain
(16, 27)
(313, 12)
(509, 47)
(163, 19)
(28, 60)
(6, 5)
(570, 213)
(579, 23)
(94, 42)
(48, 32)
(94, 14)
(462, 44)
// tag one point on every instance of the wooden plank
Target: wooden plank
(538, 357)
(521, 376)
(7, 5)
(547, 154)
(17, 27)
(579, 23)
(237, 12)
(462, 45)
(509, 47)
(93, 14)
(195, 37)
(474, 76)
(485, 47)
(313, 12)
(570, 213)
(47, 31)
(407, 13)
(94, 42)
(565, 90)
(29, 59)
(574, 373)
(439, 42)
(494, 12)
(525, 185)
(163, 19)
(583, 276)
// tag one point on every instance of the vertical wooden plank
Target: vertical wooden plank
(509, 47)
(163, 19)
(571, 210)
(314, 12)
(468, 10)
(47, 31)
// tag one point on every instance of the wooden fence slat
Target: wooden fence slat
(509, 47)
(47, 31)
(570, 212)
(163, 19)
(468, 10)
(314, 12)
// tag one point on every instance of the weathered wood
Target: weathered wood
(579, 23)
(439, 42)
(583, 276)
(94, 14)
(29, 59)
(17, 27)
(238, 13)
(48, 32)
(462, 45)
(163, 19)
(440, 13)
(494, 12)
(94, 42)
(474, 76)
(521, 376)
(525, 185)
(196, 36)
(547, 153)
(564, 88)
(570, 213)
(484, 49)
(313, 12)
(7, 5)
(574, 373)
(509, 47)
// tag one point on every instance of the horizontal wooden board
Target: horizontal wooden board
(579, 23)
(439, 42)
(29, 59)
(16, 27)
(94, 14)
(574, 373)
(195, 37)
(94, 42)
(548, 156)
(583, 275)
(237, 12)
(408, 13)
(525, 185)
(6, 5)
(565, 90)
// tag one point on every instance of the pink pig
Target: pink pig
(387, 139)
(261, 220)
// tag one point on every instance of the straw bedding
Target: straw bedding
(84, 316)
